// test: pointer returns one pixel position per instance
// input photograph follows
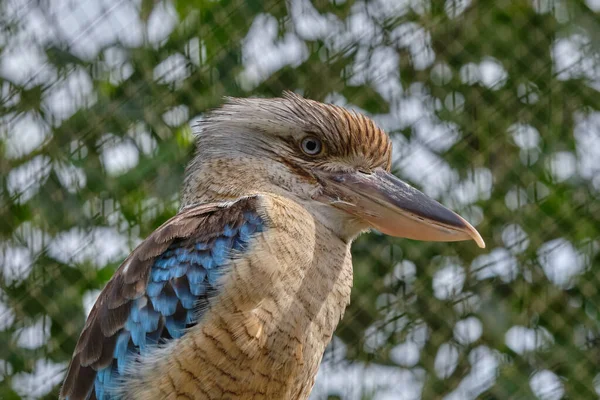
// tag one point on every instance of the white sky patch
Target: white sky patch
(498, 263)
(361, 27)
(542, 6)
(142, 137)
(528, 93)
(162, 22)
(100, 245)
(90, 25)
(409, 110)
(30, 235)
(25, 180)
(24, 134)
(467, 303)
(176, 116)
(414, 37)
(35, 335)
(68, 95)
(587, 137)
(454, 101)
(561, 262)
(151, 207)
(71, 177)
(421, 6)
(594, 5)
(446, 360)
(597, 377)
(88, 299)
(115, 62)
(418, 333)
(546, 385)
(573, 58)
(455, 8)
(522, 340)
(352, 381)
(441, 74)
(436, 135)
(419, 164)
(405, 271)
(448, 282)
(359, 74)
(375, 337)
(515, 238)
(336, 351)
(336, 98)
(469, 74)
(78, 150)
(515, 198)
(16, 262)
(311, 25)
(6, 369)
(385, 73)
(118, 155)
(405, 354)
(263, 53)
(174, 69)
(45, 376)
(9, 98)
(562, 165)
(468, 330)
(529, 157)
(380, 10)
(115, 56)
(195, 51)
(525, 136)
(484, 370)
(23, 64)
(472, 213)
(492, 74)
(477, 186)
(109, 208)
(34, 25)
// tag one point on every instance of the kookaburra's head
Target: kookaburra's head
(333, 161)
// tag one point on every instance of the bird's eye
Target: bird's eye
(311, 145)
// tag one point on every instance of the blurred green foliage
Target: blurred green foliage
(513, 85)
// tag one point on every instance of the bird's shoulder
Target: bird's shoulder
(159, 290)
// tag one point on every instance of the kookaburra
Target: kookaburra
(237, 296)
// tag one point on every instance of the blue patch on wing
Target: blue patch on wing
(180, 279)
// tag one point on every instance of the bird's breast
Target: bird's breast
(265, 333)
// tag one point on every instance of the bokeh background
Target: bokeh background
(494, 110)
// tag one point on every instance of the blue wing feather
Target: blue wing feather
(184, 274)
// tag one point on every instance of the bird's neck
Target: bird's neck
(295, 286)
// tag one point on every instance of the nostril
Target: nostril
(365, 171)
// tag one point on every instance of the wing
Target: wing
(157, 293)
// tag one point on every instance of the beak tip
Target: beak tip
(472, 232)
(476, 236)
(479, 240)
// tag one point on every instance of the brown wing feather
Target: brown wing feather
(109, 314)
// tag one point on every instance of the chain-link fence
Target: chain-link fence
(494, 110)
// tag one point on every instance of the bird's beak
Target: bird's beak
(393, 207)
